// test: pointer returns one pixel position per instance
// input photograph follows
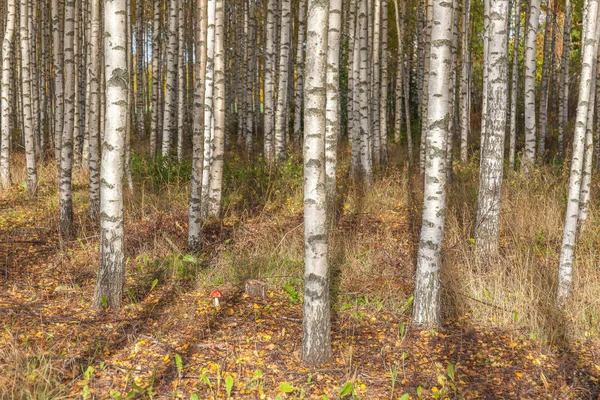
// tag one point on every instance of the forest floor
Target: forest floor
(170, 341)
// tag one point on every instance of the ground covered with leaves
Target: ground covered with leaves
(171, 341)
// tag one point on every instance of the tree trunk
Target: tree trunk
(530, 70)
(282, 85)
(93, 110)
(465, 79)
(139, 70)
(7, 49)
(218, 140)
(58, 56)
(427, 279)
(316, 340)
(543, 106)
(111, 275)
(332, 127)
(514, 88)
(563, 112)
(383, 86)
(180, 81)
(156, 81)
(565, 269)
(269, 81)
(169, 105)
(195, 210)
(487, 232)
(299, 73)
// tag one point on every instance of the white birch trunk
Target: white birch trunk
(111, 275)
(93, 110)
(563, 112)
(528, 157)
(195, 209)
(169, 105)
(218, 140)
(543, 106)
(332, 127)
(282, 86)
(269, 82)
(427, 311)
(465, 79)
(565, 269)
(514, 88)
(299, 73)
(7, 49)
(208, 105)
(316, 340)
(487, 228)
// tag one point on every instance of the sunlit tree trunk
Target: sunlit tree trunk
(332, 126)
(269, 82)
(465, 82)
(7, 49)
(208, 105)
(195, 210)
(399, 70)
(530, 69)
(180, 80)
(563, 111)
(427, 311)
(316, 340)
(111, 275)
(218, 140)
(565, 269)
(366, 161)
(66, 153)
(171, 86)
(383, 85)
(282, 85)
(425, 99)
(375, 82)
(156, 81)
(514, 88)
(487, 231)
(139, 70)
(299, 72)
(58, 57)
(251, 50)
(543, 106)
(93, 109)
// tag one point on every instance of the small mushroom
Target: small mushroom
(216, 294)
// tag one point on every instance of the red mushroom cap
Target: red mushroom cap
(216, 293)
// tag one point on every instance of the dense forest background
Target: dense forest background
(299, 199)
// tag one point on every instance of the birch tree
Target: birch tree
(427, 278)
(269, 82)
(7, 48)
(332, 127)
(316, 339)
(590, 38)
(528, 157)
(543, 106)
(111, 275)
(487, 231)
(195, 210)
(514, 88)
(563, 112)
(282, 86)
(66, 143)
(93, 109)
(465, 80)
(171, 84)
(299, 72)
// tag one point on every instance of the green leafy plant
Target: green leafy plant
(228, 385)
(347, 390)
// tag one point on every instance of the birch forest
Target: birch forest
(299, 199)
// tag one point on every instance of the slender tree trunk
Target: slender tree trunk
(139, 70)
(514, 88)
(543, 106)
(169, 105)
(195, 211)
(57, 39)
(218, 140)
(427, 311)
(563, 112)
(299, 73)
(399, 71)
(425, 99)
(66, 152)
(487, 231)
(282, 86)
(530, 69)
(111, 275)
(94, 109)
(383, 85)
(375, 82)
(269, 81)
(365, 139)
(332, 126)
(7, 49)
(156, 81)
(316, 340)
(180, 81)
(465, 79)
(565, 269)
